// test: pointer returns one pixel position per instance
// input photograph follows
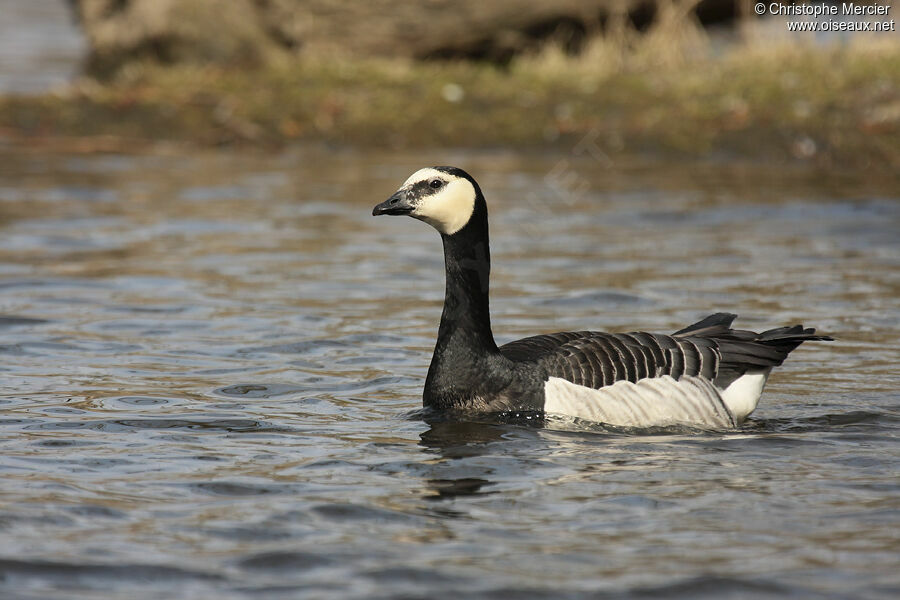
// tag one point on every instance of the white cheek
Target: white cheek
(449, 210)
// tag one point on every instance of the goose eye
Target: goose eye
(435, 183)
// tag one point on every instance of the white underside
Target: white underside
(657, 401)
(743, 394)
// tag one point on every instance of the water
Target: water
(211, 369)
(41, 47)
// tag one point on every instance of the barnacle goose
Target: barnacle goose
(706, 374)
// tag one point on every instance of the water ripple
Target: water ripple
(211, 372)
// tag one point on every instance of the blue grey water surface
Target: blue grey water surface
(211, 368)
(41, 46)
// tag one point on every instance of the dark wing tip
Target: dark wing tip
(717, 322)
(797, 332)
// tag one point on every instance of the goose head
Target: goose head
(443, 197)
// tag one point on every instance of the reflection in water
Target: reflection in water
(457, 440)
(454, 440)
(202, 392)
(452, 488)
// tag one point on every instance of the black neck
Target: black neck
(465, 343)
(466, 317)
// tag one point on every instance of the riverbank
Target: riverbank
(835, 105)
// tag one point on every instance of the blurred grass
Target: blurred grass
(670, 90)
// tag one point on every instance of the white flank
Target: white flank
(656, 401)
(742, 396)
(450, 208)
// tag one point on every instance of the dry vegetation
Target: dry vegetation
(669, 90)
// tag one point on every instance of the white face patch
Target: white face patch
(447, 209)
